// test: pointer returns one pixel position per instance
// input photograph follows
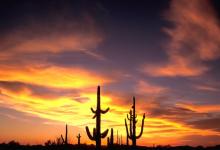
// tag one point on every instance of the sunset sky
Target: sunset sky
(54, 54)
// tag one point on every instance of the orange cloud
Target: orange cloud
(53, 76)
(178, 66)
(193, 39)
(200, 108)
(147, 88)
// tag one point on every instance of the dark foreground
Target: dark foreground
(15, 146)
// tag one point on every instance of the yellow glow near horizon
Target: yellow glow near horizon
(69, 109)
(57, 77)
(78, 114)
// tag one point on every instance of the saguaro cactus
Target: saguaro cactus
(78, 137)
(133, 121)
(97, 135)
(65, 141)
(110, 140)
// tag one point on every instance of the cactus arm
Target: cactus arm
(129, 136)
(104, 134)
(108, 141)
(93, 110)
(94, 116)
(128, 117)
(89, 134)
(142, 127)
(105, 111)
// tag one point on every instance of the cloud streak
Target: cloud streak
(193, 40)
(54, 35)
(53, 76)
(144, 87)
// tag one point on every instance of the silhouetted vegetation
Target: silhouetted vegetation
(78, 138)
(132, 118)
(12, 145)
(97, 135)
(65, 141)
(110, 140)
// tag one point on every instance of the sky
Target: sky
(54, 54)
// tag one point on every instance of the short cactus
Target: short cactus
(65, 141)
(110, 140)
(78, 138)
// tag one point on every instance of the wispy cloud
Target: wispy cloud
(54, 35)
(193, 39)
(144, 87)
(207, 88)
(201, 108)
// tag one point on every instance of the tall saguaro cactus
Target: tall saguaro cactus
(132, 134)
(65, 141)
(78, 138)
(97, 135)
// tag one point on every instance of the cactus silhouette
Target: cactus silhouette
(129, 117)
(133, 121)
(110, 140)
(112, 137)
(78, 137)
(127, 140)
(65, 141)
(97, 135)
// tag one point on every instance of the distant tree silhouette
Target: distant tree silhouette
(48, 143)
(13, 143)
(133, 121)
(97, 135)
(59, 141)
